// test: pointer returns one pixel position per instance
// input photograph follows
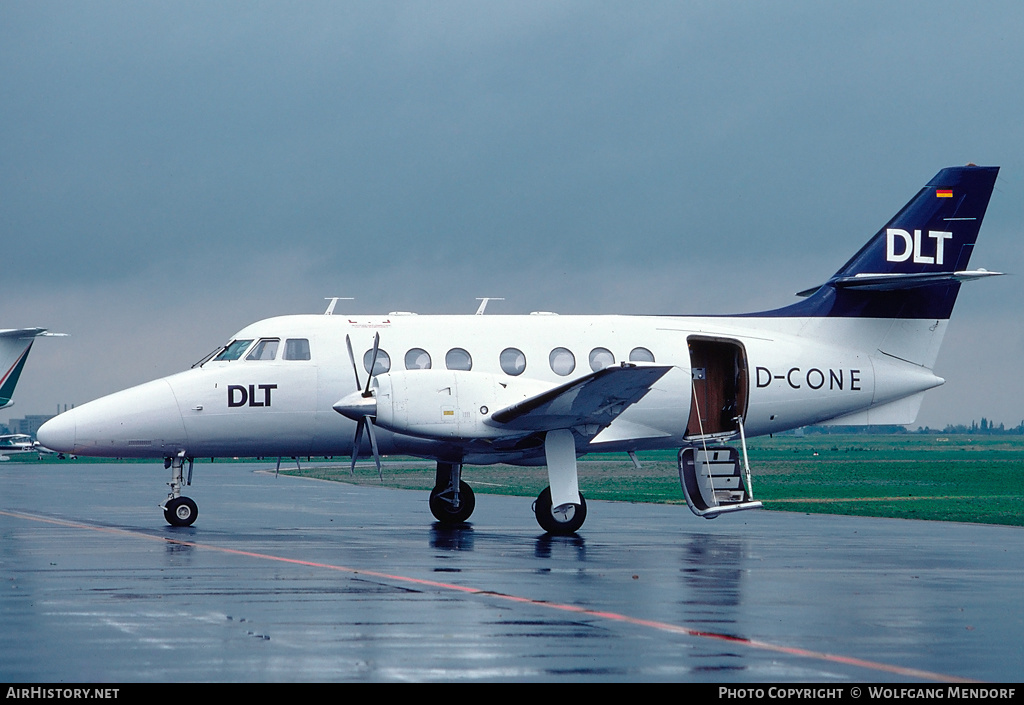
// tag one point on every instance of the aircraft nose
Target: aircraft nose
(58, 433)
(143, 421)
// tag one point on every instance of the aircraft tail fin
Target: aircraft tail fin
(15, 345)
(913, 267)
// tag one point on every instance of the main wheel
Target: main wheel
(443, 507)
(180, 511)
(562, 521)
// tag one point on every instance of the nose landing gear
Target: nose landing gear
(451, 501)
(178, 509)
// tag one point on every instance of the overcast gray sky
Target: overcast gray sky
(172, 171)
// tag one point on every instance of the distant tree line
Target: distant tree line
(984, 428)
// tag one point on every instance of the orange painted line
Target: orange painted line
(829, 500)
(599, 614)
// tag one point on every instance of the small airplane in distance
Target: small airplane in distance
(544, 389)
(18, 444)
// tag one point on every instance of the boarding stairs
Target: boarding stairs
(716, 478)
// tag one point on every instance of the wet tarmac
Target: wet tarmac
(288, 579)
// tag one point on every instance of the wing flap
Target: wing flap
(621, 430)
(596, 399)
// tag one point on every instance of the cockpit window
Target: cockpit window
(209, 356)
(266, 349)
(296, 349)
(234, 350)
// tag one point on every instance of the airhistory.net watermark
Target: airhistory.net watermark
(47, 693)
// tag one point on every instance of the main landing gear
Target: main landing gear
(451, 501)
(560, 509)
(179, 510)
(562, 520)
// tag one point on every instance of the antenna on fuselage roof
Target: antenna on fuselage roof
(483, 303)
(334, 302)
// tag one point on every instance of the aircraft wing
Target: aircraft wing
(596, 399)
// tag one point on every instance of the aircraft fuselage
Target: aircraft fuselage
(782, 378)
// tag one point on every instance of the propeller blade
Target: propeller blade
(352, 358)
(373, 445)
(373, 363)
(363, 421)
(355, 444)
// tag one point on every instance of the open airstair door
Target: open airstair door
(715, 478)
(719, 378)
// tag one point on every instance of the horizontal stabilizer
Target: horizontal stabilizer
(895, 282)
(24, 333)
(595, 399)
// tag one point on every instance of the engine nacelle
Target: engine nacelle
(448, 403)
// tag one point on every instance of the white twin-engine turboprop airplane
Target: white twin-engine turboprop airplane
(545, 389)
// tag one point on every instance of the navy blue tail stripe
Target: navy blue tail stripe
(934, 233)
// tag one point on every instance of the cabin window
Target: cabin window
(380, 366)
(641, 355)
(458, 359)
(234, 350)
(266, 349)
(417, 359)
(513, 361)
(296, 349)
(562, 361)
(601, 358)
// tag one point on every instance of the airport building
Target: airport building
(29, 424)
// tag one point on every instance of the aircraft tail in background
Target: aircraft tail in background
(15, 344)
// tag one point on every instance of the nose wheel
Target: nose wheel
(450, 507)
(451, 501)
(180, 511)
